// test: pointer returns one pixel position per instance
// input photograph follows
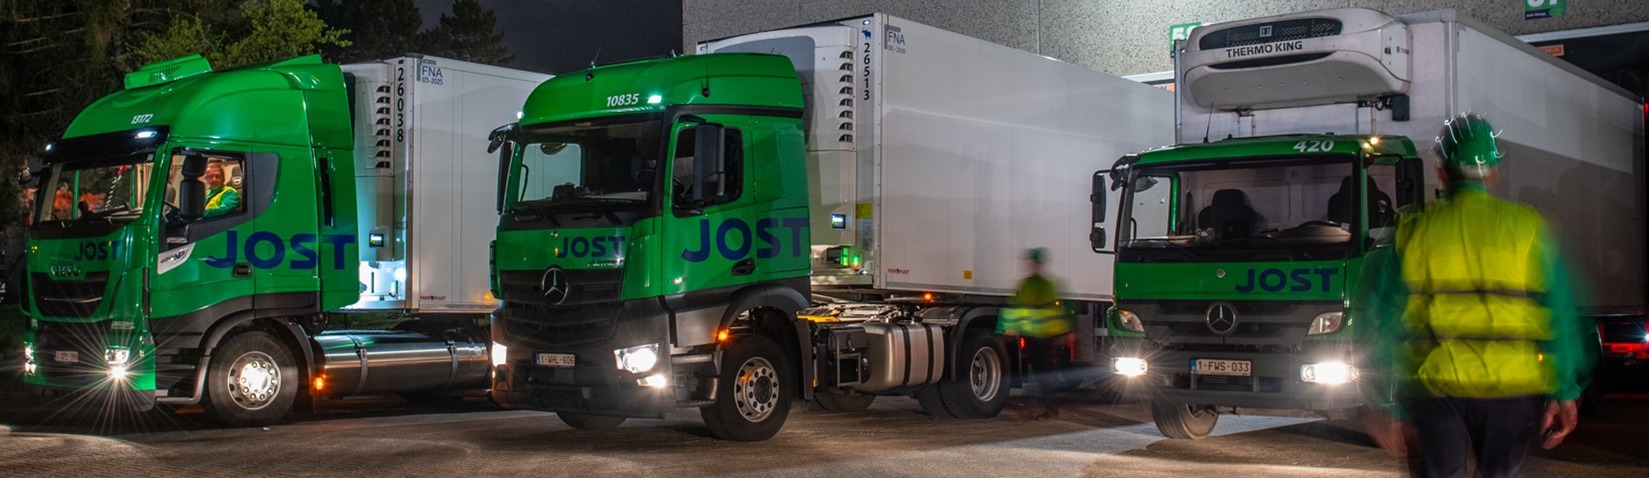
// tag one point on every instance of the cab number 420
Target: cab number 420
(1314, 146)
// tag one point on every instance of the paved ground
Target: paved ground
(386, 437)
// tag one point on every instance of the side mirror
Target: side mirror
(708, 158)
(191, 191)
(499, 136)
(505, 151)
(1096, 235)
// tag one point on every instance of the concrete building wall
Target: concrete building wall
(1122, 37)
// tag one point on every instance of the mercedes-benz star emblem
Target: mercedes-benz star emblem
(554, 285)
(1222, 318)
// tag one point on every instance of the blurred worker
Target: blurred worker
(221, 198)
(1477, 321)
(1035, 315)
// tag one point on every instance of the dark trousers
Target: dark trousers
(1498, 431)
(1043, 355)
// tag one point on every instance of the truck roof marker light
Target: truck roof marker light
(145, 134)
(519, 115)
(1374, 141)
(655, 99)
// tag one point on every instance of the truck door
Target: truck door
(201, 262)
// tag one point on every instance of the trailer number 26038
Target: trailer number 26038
(1314, 146)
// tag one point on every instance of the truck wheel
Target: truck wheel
(251, 380)
(1182, 421)
(981, 389)
(932, 403)
(589, 422)
(752, 400)
(837, 400)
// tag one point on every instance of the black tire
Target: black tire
(931, 402)
(1182, 421)
(251, 380)
(589, 422)
(979, 388)
(837, 400)
(753, 397)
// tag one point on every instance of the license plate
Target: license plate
(1236, 368)
(555, 360)
(67, 356)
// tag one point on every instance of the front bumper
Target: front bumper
(1274, 381)
(593, 384)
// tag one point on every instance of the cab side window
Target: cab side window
(726, 181)
(224, 179)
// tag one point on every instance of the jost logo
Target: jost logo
(267, 250)
(1297, 280)
(734, 238)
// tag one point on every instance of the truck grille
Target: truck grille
(84, 339)
(69, 298)
(1285, 30)
(558, 326)
(585, 286)
(1259, 323)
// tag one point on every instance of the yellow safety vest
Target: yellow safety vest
(1034, 311)
(1472, 268)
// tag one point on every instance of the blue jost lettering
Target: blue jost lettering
(1296, 280)
(723, 239)
(259, 260)
(267, 250)
(590, 246)
(734, 238)
(96, 251)
(300, 245)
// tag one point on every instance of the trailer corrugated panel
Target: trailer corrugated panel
(982, 151)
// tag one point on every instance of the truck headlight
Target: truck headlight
(1332, 373)
(117, 358)
(1327, 323)
(1130, 321)
(638, 359)
(28, 359)
(499, 354)
(117, 355)
(1129, 366)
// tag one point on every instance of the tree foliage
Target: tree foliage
(268, 30)
(468, 34)
(390, 28)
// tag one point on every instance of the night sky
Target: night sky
(555, 36)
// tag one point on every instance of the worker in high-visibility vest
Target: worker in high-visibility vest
(1475, 317)
(221, 198)
(1035, 314)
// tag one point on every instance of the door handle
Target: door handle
(744, 267)
(243, 270)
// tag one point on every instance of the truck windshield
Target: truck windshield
(587, 164)
(86, 190)
(1242, 204)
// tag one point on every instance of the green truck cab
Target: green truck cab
(201, 236)
(627, 223)
(130, 267)
(1238, 263)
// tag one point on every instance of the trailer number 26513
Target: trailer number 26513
(1314, 146)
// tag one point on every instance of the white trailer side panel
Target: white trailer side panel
(1573, 151)
(982, 151)
(452, 180)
